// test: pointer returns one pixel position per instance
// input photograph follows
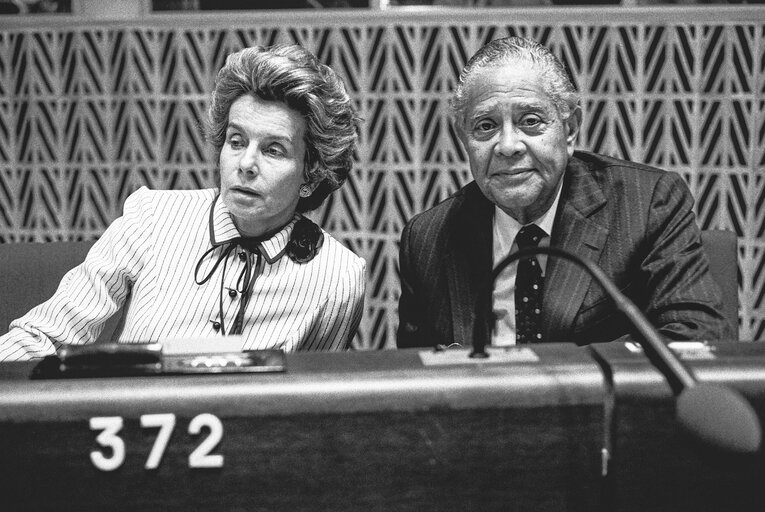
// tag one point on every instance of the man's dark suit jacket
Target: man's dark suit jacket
(634, 221)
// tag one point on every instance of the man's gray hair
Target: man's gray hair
(555, 82)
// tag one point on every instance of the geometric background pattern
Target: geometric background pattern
(90, 111)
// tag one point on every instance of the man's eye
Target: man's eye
(531, 121)
(484, 126)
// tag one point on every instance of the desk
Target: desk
(656, 465)
(369, 431)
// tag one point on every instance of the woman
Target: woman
(237, 260)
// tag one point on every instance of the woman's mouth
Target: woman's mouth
(245, 191)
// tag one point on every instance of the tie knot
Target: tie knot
(529, 236)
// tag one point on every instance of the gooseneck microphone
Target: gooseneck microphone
(715, 414)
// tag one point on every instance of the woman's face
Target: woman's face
(261, 164)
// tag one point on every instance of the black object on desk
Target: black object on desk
(146, 359)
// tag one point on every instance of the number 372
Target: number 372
(109, 438)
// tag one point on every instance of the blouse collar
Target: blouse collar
(223, 230)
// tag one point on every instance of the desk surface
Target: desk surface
(319, 383)
(392, 430)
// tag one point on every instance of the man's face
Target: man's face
(517, 143)
(261, 164)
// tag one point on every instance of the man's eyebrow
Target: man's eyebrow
(533, 105)
(481, 111)
(536, 105)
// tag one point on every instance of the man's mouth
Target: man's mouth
(510, 173)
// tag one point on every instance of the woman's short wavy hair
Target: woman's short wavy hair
(553, 75)
(292, 75)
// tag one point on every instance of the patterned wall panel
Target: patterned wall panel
(90, 111)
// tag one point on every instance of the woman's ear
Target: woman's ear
(308, 188)
(311, 183)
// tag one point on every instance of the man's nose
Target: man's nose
(510, 142)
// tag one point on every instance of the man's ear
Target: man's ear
(573, 124)
(459, 128)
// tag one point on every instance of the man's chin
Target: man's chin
(515, 199)
(519, 206)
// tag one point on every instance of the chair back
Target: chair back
(30, 274)
(721, 247)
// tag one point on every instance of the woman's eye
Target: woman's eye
(236, 141)
(276, 150)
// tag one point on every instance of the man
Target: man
(518, 115)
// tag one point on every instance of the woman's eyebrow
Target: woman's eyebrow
(286, 137)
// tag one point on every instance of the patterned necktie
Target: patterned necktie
(528, 288)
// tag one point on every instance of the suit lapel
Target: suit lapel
(578, 231)
(468, 263)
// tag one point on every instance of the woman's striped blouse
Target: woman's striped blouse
(158, 252)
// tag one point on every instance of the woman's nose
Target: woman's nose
(248, 163)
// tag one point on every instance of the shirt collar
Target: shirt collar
(547, 219)
(223, 230)
(508, 227)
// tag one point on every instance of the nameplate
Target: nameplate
(685, 350)
(184, 346)
(461, 356)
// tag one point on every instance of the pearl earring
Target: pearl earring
(305, 191)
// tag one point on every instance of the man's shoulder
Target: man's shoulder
(451, 208)
(597, 163)
(610, 171)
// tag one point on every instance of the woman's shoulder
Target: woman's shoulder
(162, 202)
(335, 253)
(145, 194)
(168, 209)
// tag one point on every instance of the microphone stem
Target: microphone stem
(677, 374)
(714, 414)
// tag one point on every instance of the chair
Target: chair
(721, 247)
(30, 274)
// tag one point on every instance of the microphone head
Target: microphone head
(719, 416)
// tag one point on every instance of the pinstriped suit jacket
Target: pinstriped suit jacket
(636, 222)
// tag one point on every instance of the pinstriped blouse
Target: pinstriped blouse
(153, 250)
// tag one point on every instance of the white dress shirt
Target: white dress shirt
(505, 229)
(152, 252)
